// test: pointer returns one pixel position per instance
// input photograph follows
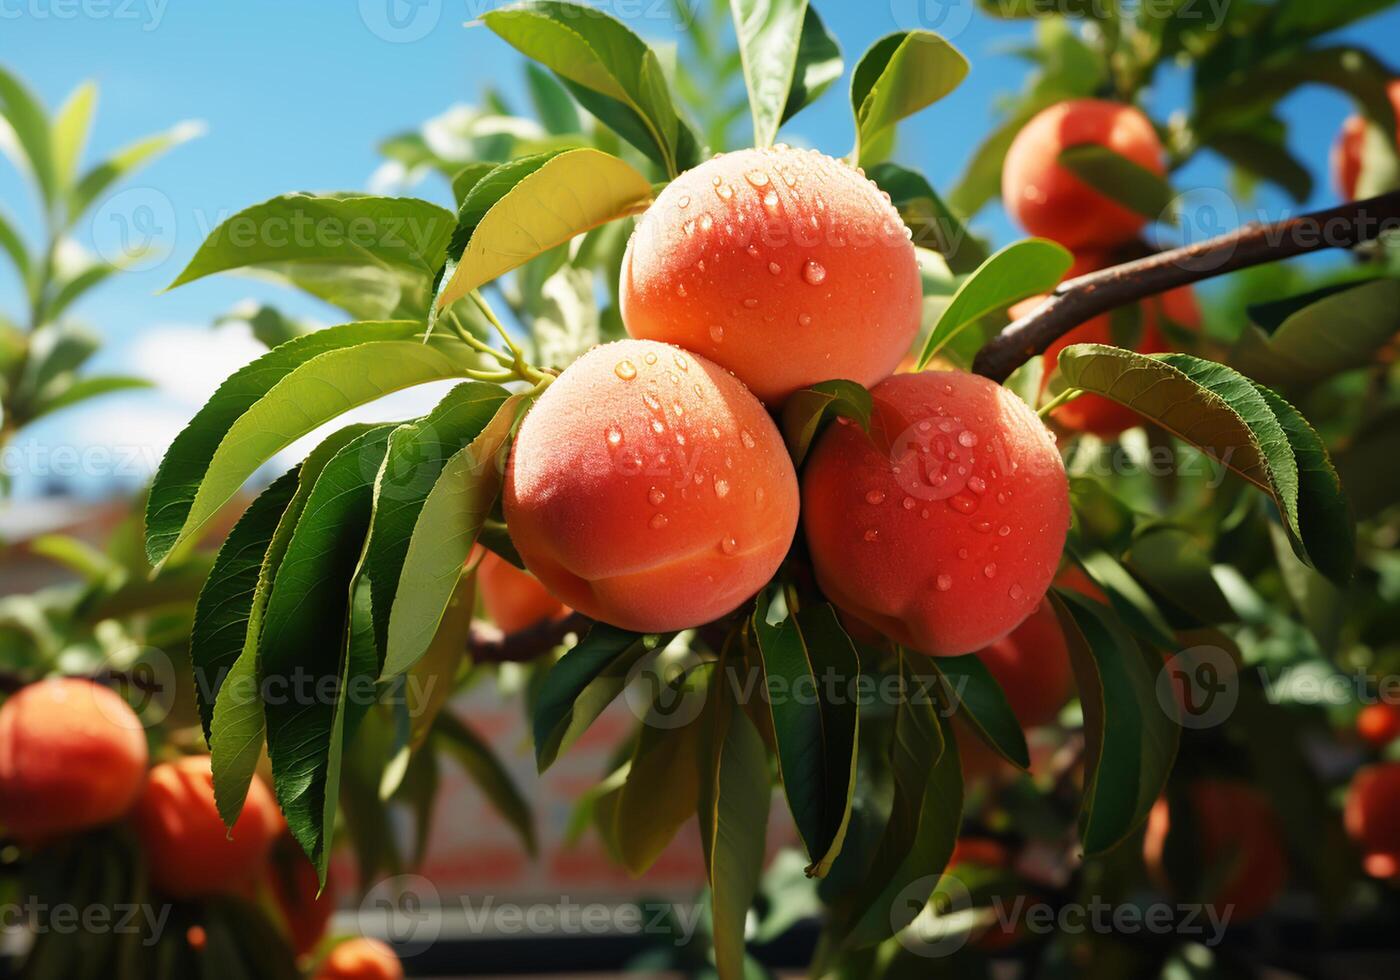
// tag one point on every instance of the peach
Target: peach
(648, 489)
(72, 756)
(306, 908)
(1240, 843)
(1378, 724)
(188, 849)
(943, 528)
(1031, 663)
(785, 266)
(1372, 817)
(361, 959)
(1346, 152)
(1048, 200)
(514, 599)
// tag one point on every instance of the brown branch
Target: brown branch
(1080, 300)
(487, 644)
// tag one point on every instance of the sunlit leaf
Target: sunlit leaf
(900, 74)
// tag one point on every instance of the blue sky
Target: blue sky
(296, 95)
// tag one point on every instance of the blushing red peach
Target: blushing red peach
(1048, 200)
(188, 849)
(514, 599)
(1240, 844)
(72, 756)
(1351, 141)
(361, 959)
(785, 266)
(1378, 724)
(943, 528)
(1031, 663)
(648, 489)
(1372, 817)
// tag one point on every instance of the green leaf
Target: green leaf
(13, 246)
(434, 677)
(307, 638)
(816, 741)
(981, 702)
(932, 222)
(481, 763)
(924, 817)
(124, 162)
(899, 75)
(770, 34)
(735, 794)
(69, 290)
(1128, 599)
(1022, 269)
(417, 453)
(467, 178)
(583, 683)
(343, 230)
(71, 127)
(25, 136)
(805, 412)
(1322, 334)
(1366, 465)
(564, 196)
(1119, 179)
(1230, 418)
(555, 109)
(268, 404)
(83, 389)
(443, 534)
(819, 64)
(981, 178)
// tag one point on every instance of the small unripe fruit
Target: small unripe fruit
(1351, 141)
(1240, 845)
(361, 959)
(514, 599)
(1372, 817)
(1378, 724)
(72, 756)
(941, 529)
(1031, 663)
(1048, 200)
(188, 849)
(785, 266)
(648, 489)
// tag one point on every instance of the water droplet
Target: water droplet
(770, 199)
(680, 438)
(673, 377)
(967, 439)
(717, 333)
(657, 496)
(729, 545)
(982, 527)
(746, 438)
(908, 503)
(706, 223)
(614, 437)
(1004, 530)
(804, 319)
(875, 497)
(752, 249)
(872, 535)
(990, 570)
(625, 370)
(758, 495)
(657, 427)
(814, 272)
(1003, 497)
(946, 426)
(684, 202)
(757, 177)
(650, 358)
(721, 488)
(924, 513)
(1016, 592)
(789, 179)
(962, 552)
(963, 503)
(976, 484)
(689, 227)
(680, 289)
(658, 521)
(944, 583)
(774, 268)
(651, 402)
(700, 265)
(717, 180)
(678, 408)
(947, 389)
(751, 302)
(724, 191)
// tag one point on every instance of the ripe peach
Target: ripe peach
(785, 266)
(1378, 724)
(1346, 152)
(648, 489)
(188, 849)
(1372, 817)
(514, 599)
(942, 528)
(361, 959)
(1031, 663)
(1050, 201)
(72, 756)
(1241, 845)
(306, 908)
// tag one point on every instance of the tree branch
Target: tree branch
(487, 644)
(1080, 300)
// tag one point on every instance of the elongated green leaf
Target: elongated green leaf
(583, 683)
(13, 246)
(480, 762)
(238, 726)
(1128, 599)
(354, 699)
(1230, 418)
(403, 233)
(980, 702)
(448, 523)
(803, 655)
(807, 410)
(95, 182)
(566, 195)
(555, 109)
(735, 794)
(1260, 149)
(25, 136)
(819, 64)
(924, 817)
(225, 603)
(415, 459)
(1131, 734)
(467, 178)
(84, 388)
(306, 636)
(433, 679)
(770, 34)
(71, 126)
(268, 404)
(932, 222)
(1022, 269)
(1120, 179)
(899, 75)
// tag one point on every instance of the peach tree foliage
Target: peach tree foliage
(350, 568)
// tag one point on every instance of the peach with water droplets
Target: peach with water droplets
(785, 266)
(943, 527)
(647, 488)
